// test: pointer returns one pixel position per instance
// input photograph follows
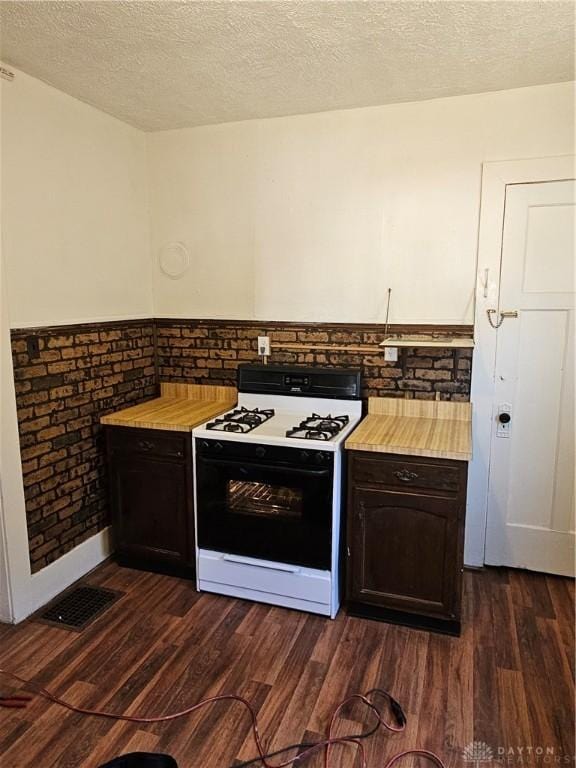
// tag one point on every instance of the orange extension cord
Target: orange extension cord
(325, 744)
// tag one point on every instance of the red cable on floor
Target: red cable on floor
(326, 744)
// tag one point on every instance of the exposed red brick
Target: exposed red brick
(59, 341)
(34, 426)
(435, 375)
(221, 333)
(110, 335)
(62, 454)
(57, 393)
(49, 355)
(29, 372)
(94, 369)
(37, 553)
(29, 466)
(38, 475)
(77, 351)
(48, 434)
(86, 337)
(314, 337)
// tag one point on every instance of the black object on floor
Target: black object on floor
(79, 607)
(142, 760)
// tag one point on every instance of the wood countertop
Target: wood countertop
(180, 408)
(415, 428)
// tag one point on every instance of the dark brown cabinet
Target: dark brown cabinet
(151, 493)
(405, 535)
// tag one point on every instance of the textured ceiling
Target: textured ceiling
(160, 65)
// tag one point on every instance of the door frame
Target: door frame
(496, 176)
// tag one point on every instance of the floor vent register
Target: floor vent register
(79, 607)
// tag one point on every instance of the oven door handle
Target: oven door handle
(259, 564)
(259, 466)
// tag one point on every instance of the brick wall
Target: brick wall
(66, 378)
(208, 351)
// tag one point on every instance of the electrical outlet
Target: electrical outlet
(264, 345)
(33, 347)
(391, 354)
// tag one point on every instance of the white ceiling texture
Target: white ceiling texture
(162, 64)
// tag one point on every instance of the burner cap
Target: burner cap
(317, 434)
(233, 426)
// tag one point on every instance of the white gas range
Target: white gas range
(268, 486)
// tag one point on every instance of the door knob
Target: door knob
(504, 420)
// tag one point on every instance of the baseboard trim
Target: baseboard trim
(59, 575)
(416, 621)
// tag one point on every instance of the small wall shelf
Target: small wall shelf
(446, 342)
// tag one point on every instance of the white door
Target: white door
(532, 461)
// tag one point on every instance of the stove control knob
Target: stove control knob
(218, 446)
(320, 458)
(205, 444)
(260, 451)
(304, 455)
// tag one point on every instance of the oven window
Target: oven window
(264, 499)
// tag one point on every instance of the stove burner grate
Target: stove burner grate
(317, 427)
(241, 420)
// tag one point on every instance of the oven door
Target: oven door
(274, 507)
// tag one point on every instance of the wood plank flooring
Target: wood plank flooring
(508, 681)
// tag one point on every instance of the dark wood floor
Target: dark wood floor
(508, 681)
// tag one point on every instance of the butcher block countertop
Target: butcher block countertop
(180, 408)
(415, 428)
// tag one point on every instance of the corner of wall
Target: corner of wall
(14, 560)
(149, 222)
(22, 592)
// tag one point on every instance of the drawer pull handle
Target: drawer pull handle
(145, 445)
(405, 476)
(259, 564)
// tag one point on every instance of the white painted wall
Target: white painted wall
(354, 201)
(16, 574)
(75, 248)
(312, 217)
(75, 209)
(7, 407)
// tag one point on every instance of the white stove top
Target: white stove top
(289, 412)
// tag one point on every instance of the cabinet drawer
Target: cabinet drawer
(260, 577)
(406, 474)
(147, 441)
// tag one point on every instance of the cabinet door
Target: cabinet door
(404, 551)
(150, 506)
